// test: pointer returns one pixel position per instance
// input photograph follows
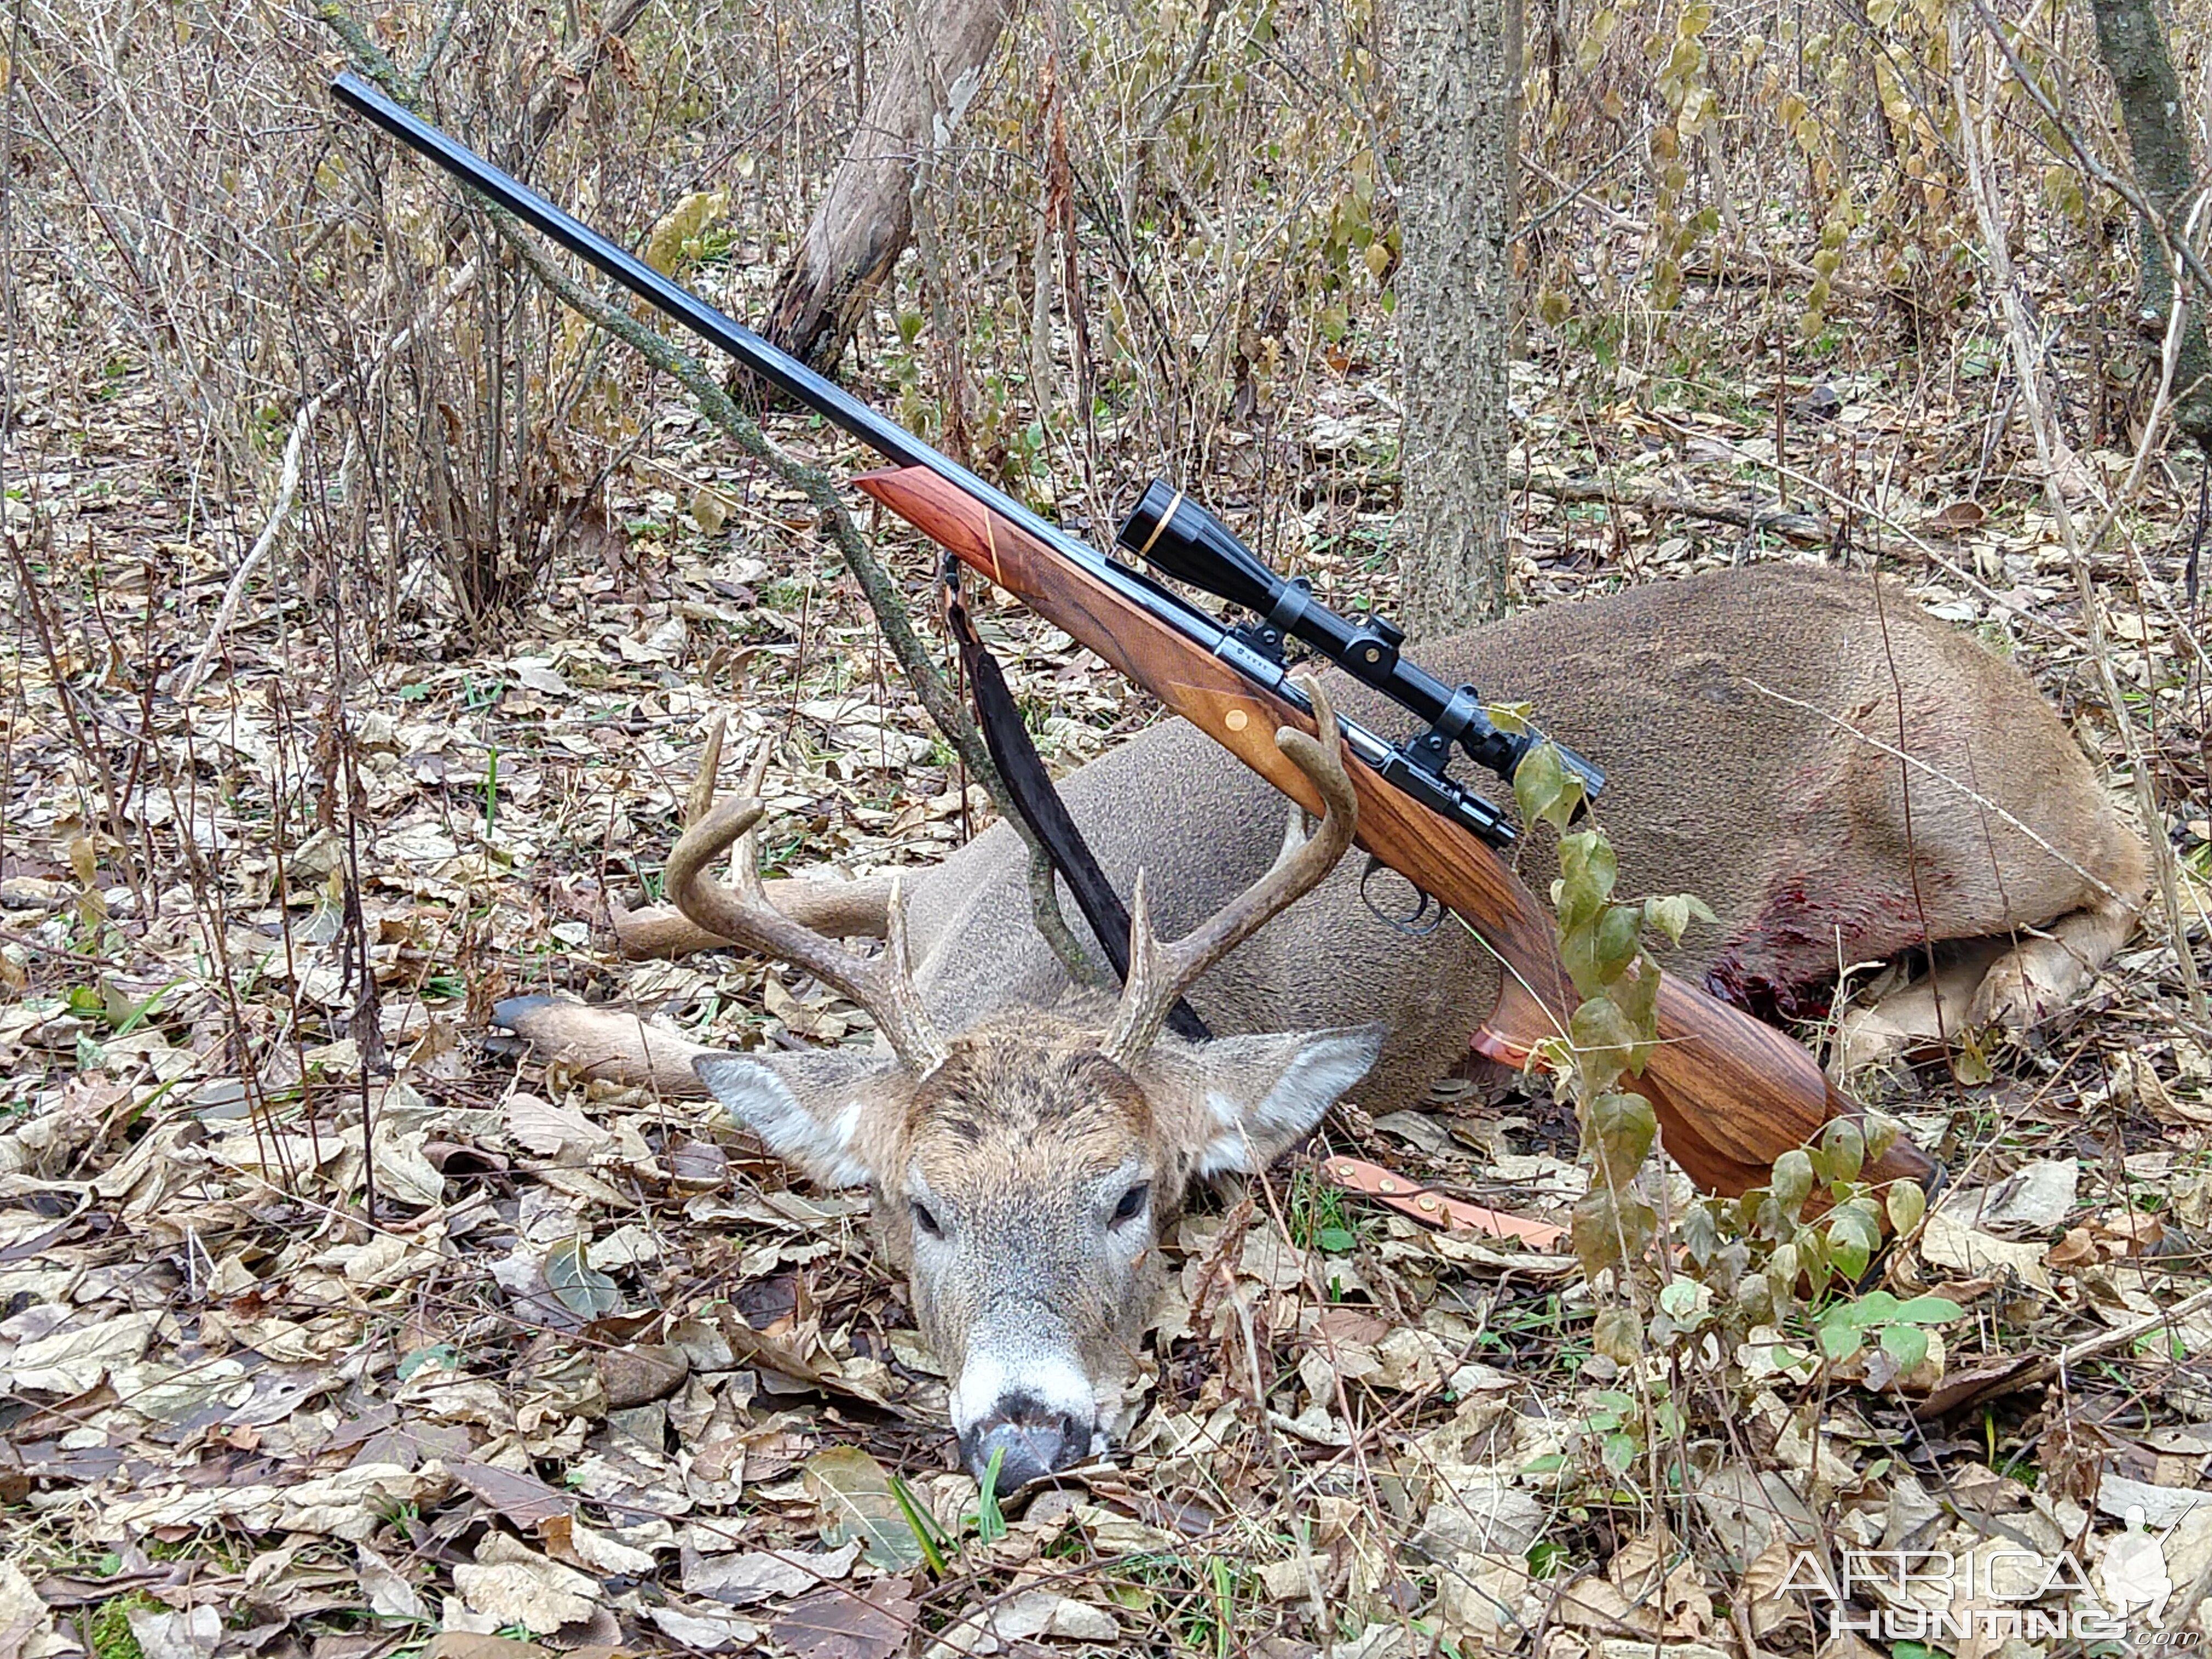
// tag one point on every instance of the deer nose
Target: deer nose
(1030, 1440)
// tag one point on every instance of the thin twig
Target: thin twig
(1809, 529)
(288, 482)
(876, 583)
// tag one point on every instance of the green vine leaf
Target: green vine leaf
(1792, 1181)
(1545, 791)
(1604, 1041)
(1845, 1147)
(1907, 1204)
(1622, 1127)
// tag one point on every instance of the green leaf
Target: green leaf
(1907, 1204)
(1873, 1309)
(1701, 1234)
(1929, 1310)
(1546, 791)
(1853, 1241)
(990, 1519)
(854, 1494)
(1335, 1241)
(1620, 1454)
(1840, 1340)
(1792, 1183)
(1637, 995)
(580, 1288)
(1622, 1127)
(1785, 1264)
(1671, 913)
(444, 1355)
(1604, 1042)
(1620, 936)
(1906, 1344)
(1679, 1300)
(1589, 855)
(1578, 895)
(1846, 1146)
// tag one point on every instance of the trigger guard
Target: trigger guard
(1405, 924)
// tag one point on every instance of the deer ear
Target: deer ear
(806, 1107)
(1264, 1094)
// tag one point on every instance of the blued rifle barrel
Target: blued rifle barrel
(887, 437)
(881, 433)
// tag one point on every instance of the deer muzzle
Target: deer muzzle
(1036, 1418)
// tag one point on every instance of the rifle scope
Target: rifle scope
(1169, 529)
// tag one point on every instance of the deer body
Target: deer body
(1793, 829)
(1750, 723)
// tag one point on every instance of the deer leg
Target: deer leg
(1922, 1014)
(609, 1044)
(2048, 967)
(2008, 984)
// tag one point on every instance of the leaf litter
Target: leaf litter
(591, 1374)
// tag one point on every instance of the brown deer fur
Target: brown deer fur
(1749, 722)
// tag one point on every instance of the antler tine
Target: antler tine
(700, 796)
(1160, 973)
(882, 986)
(745, 857)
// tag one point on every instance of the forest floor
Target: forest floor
(593, 1372)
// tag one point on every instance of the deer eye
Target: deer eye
(1132, 1202)
(925, 1220)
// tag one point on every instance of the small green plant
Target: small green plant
(1846, 1326)
(1608, 1037)
(109, 1629)
(1320, 1217)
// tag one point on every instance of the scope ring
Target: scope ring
(1291, 605)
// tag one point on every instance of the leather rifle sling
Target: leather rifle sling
(1030, 787)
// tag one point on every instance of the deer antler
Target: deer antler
(883, 985)
(1160, 973)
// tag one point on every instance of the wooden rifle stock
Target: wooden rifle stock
(1731, 1095)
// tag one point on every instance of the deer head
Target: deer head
(1022, 1171)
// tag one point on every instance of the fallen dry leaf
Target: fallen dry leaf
(1946, 1243)
(837, 1624)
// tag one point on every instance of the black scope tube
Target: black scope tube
(1175, 533)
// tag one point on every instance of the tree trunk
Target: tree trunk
(2132, 41)
(1456, 111)
(864, 219)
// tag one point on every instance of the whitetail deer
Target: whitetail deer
(1842, 777)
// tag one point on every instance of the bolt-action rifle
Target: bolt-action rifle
(1731, 1095)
